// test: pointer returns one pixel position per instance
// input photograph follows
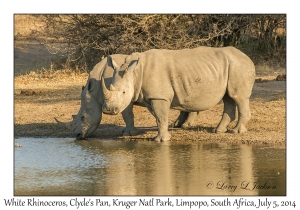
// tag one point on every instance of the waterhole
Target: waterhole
(62, 166)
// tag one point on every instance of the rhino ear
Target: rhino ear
(111, 63)
(132, 65)
(91, 85)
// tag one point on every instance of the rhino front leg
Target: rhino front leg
(161, 112)
(128, 117)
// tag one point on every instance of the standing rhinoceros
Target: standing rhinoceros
(89, 116)
(189, 80)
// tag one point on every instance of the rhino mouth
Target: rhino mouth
(80, 136)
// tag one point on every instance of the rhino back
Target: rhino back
(191, 79)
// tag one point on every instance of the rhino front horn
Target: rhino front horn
(106, 92)
(65, 124)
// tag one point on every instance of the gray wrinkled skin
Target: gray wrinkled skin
(89, 116)
(189, 80)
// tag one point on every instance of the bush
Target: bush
(88, 38)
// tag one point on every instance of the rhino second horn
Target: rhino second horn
(106, 92)
(66, 124)
(112, 87)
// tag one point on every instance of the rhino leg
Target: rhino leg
(244, 115)
(128, 117)
(150, 110)
(185, 120)
(161, 113)
(190, 119)
(228, 114)
(239, 88)
(180, 120)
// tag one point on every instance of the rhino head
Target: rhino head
(89, 116)
(121, 90)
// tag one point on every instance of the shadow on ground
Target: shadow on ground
(51, 130)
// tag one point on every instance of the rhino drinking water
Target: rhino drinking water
(189, 80)
(89, 116)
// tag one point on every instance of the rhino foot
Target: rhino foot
(239, 129)
(162, 138)
(186, 125)
(130, 132)
(218, 130)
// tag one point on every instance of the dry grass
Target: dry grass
(55, 90)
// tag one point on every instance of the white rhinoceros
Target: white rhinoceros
(89, 116)
(189, 80)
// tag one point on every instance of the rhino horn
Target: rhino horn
(65, 124)
(112, 87)
(106, 92)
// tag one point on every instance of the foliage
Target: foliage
(88, 37)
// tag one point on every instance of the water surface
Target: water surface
(62, 166)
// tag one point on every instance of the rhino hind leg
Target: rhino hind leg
(180, 120)
(241, 77)
(228, 114)
(243, 117)
(185, 120)
(161, 112)
(189, 122)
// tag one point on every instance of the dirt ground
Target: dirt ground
(39, 97)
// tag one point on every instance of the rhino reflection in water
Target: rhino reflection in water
(89, 116)
(188, 80)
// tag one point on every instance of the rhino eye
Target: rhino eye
(82, 118)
